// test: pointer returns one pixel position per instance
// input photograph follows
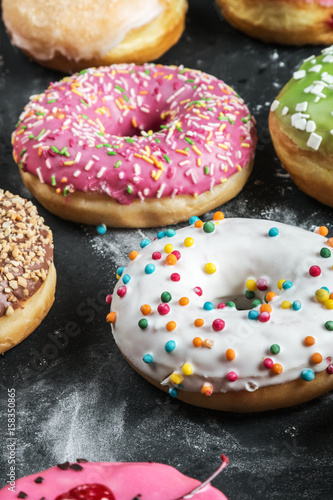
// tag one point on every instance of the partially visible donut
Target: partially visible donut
(233, 314)
(291, 22)
(27, 273)
(301, 126)
(135, 146)
(112, 481)
(69, 36)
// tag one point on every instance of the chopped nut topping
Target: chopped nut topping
(26, 251)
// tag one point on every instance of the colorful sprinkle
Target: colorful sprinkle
(188, 242)
(275, 349)
(145, 309)
(209, 227)
(199, 322)
(171, 325)
(163, 309)
(187, 369)
(230, 354)
(101, 229)
(210, 268)
(315, 271)
(145, 242)
(325, 253)
(166, 297)
(307, 375)
(148, 358)
(170, 346)
(218, 325)
(232, 376)
(143, 323)
(208, 306)
(171, 259)
(149, 269)
(273, 232)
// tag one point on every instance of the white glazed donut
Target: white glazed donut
(183, 315)
(69, 36)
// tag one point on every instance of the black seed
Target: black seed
(39, 480)
(64, 466)
(22, 495)
(76, 467)
(81, 461)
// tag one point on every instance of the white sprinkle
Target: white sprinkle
(160, 191)
(309, 58)
(300, 124)
(137, 168)
(185, 162)
(171, 98)
(302, 106)
(101, 172)
(311, 126)
(77, 173)
(145, 110)
(315, 69)
(89, 165)
(328, 59)
(275, 105)
(327, 78)
(78, 157)
(314, 141)
(146, 191)
(174, 192)
(317, 89)
(39, 173)
(295, 117)
(47, 163)
(285, 111)
(121, 175)
(299, 74)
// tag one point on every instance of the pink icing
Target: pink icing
(126, 481)
(81, 133)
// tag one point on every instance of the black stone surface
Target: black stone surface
(75, 394)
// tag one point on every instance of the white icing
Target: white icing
(83, 30)
(241, 249)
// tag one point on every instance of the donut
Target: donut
(291, 22)
(301, 126)
(230, 314)
(70, 36)
(84, 480)
(135, 146)
(27, 273)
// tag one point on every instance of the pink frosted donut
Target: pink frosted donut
(135, 146)
(112, 481)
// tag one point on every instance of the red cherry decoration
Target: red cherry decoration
(88, 492)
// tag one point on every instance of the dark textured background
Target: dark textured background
(82, 399)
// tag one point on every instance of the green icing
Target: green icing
(319, 112)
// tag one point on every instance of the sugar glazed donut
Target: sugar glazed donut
(69, 36)
(27, 273)
(135, 146)
(292, 22)
(113, 481)
(230, 314)
(301, 125)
